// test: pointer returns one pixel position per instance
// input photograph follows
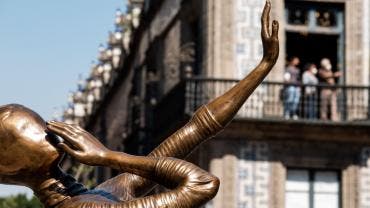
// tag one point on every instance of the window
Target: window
(326, 18)
(314, 15)
(312, 189)
(297, 16)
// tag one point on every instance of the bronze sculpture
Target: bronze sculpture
(30, 154)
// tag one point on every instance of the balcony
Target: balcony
(262, 116)
(268, 100)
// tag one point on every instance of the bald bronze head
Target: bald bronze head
(24, 146)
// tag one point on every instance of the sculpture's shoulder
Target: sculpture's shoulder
(86, 201)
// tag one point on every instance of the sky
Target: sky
(44, 47)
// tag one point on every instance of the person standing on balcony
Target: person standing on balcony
(328, 94)
(292, 88)
(310, 92)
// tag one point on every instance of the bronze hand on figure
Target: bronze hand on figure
(29, 157)
(191, 185)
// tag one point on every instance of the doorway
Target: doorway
(311, 48)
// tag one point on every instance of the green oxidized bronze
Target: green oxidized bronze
(30, 154)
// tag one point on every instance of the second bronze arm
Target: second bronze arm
(189, 185)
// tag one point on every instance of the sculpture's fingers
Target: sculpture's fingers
(63, 126)
(69, 150)
(75, 126)
(265, 20)
(60, 128)
(66, 135)
(275, 29)
(70, 127)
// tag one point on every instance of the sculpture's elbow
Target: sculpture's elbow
(214, 186)
(208, 187)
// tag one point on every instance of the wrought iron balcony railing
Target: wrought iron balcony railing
(276, 100)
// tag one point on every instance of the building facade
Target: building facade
(168, 57)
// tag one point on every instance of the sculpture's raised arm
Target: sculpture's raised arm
(189, 185)
(209, 119)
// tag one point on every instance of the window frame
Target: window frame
(312, 25)
(311, 180)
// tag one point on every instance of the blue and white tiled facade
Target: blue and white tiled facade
(253, 175)
(247, 46)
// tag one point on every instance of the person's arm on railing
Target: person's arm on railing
(211, 118)
(325, 74)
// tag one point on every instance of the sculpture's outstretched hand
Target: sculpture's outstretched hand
(226, 106)
(270, 40)
(79, 143)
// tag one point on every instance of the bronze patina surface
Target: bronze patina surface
(30, 154)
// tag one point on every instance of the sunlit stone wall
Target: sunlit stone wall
(364, 185)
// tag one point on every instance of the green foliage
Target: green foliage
(20, 201)
(84, 173)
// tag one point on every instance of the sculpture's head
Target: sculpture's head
(25, 149)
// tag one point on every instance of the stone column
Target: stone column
(364, 179)
(219, 52)
(357, 39)
(171, 72)
(357, 55)
(277, 185)
(225, 168)
(216, 167)
(349, 187)
(366, 41)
